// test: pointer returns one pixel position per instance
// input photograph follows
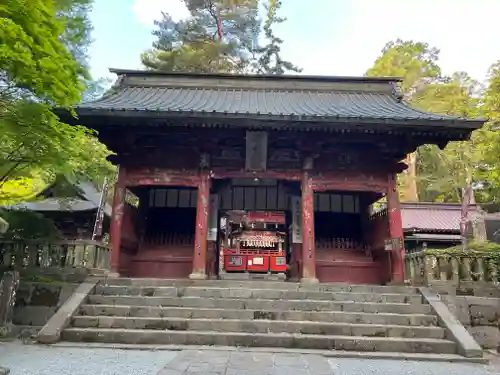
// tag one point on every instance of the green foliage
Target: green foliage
(33, 60)
(20, 189)
(216, 38)
(219, 36)
(37, 73)
(474, 249)
(416, 62)
(29, 225)
(267, 59)
(74, 14)
(442, 175)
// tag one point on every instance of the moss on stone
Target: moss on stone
(475, 249)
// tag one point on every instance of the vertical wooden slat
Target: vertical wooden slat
(238, 196)
(249, 198)
(282, 198)
(172, 197)
(184, 198)
(261, 199)
(272, 198)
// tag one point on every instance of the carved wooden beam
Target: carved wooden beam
(360, 182)
(161, 177)
(288, 175)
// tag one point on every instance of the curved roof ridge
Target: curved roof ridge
(298, 77)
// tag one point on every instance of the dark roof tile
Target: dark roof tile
(270, 97)
(276, 103)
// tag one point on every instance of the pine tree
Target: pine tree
(218, 37)
(269, 60)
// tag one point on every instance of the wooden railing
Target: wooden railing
(428, 266)
(62, 254)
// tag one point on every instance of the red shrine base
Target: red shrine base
(342, 266)
(166, 261)
(352, 272)
(332, 265)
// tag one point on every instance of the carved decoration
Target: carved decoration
(204, 160)
(283, 155)
(161, 177)
(229, 153)
(353, 182)
(308, 163)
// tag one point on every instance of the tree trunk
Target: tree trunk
(410, 193)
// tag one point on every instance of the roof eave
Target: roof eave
(284, 77)
(450, 123)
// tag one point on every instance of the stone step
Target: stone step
(259, 326)
(283, 340)
(262, 304)
(208, 292)
(254, 284)
(218, 313)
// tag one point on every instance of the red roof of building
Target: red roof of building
(433, 217)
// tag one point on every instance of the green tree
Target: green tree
(416, 63)
(38, 72)
(488, 173)
(76, 37)
(444, 175)
(268, 59)
(219, 36)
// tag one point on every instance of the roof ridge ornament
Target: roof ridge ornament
(396, 92)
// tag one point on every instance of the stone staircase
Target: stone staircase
(358, 318)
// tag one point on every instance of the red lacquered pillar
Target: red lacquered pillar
(308, 241)
(117, 220)
(201, 231)
(395, 230)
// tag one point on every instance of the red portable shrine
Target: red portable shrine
(255, 242)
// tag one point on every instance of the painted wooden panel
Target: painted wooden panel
(346, 203)
(335, 203)
(247, 197)
(185, 198)
(182, 198)
(256, 151)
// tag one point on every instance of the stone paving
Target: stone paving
(46, 360)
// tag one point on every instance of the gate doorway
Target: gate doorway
(253, 227)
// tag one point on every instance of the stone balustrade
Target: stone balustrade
(452, 266)
(57, 254)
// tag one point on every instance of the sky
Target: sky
(324, 37)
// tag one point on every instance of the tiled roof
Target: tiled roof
(275, 103)
(89, 200)
(432, 217)
(296, 97)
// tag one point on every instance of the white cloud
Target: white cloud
(147, 11)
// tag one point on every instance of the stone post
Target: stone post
(8, 289)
